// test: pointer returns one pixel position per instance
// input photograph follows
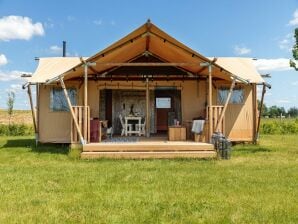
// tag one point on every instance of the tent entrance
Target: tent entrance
(167, 108)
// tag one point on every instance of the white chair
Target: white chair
(110, 132)
(141, 128)
(129, 126)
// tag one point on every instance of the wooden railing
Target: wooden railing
(79, 112)
(216, 112)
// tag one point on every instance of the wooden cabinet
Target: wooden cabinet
(177, 133)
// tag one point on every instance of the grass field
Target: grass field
(18, 117)
(44, 185)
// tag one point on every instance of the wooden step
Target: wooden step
(148, 147)
(149, 155)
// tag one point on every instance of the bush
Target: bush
(16, 130)
(279, 127)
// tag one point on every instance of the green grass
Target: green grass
(46, 185)
(279, 126)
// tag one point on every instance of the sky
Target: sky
(228, 28)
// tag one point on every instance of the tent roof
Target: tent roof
(243, 67)
(146, 39)
(49, 68)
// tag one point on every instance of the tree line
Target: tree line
(276, 111)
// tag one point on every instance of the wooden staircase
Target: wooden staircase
(149, 149)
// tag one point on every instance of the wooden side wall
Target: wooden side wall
(239, 118)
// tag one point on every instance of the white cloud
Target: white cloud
(271, 65)
(6, 76)
(3, 59)
(294, 21)
(55, 49)
(241, 50)
(287, 42)
(48, 25)
(14, 88)
(283, 101)
(18, 27)
(295, 83)
(97, 22)
(72, 54)
(71, 18)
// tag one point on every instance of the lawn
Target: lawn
(45, 185)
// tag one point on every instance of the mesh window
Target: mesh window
(236, 98)
(58, 100)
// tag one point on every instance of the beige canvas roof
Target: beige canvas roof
(52, 67)
(242, 67)
(147, 38)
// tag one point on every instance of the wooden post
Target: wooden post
(37, 107)
(260, 113)
(147, 109)
(254, 112)
(32, 109)
(210, 117)
(222, 114)
(37, 114)
(72, 112)
(85, 100)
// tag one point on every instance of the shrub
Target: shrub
(279, 127)
(16, 130)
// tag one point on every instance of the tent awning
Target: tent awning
(242, 67)
(49, 68)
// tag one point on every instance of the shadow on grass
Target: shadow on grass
(51, 148)
(40, 148)
(19, 143)
(252, 149)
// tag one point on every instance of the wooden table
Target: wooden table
(177, 133)
(132, 118)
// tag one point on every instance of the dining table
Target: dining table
(132, 118)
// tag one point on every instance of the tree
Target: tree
(293, 63)
(275, 111)
(293, 112)
(10, 104)
(264, 108)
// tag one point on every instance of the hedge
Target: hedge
(16, 130)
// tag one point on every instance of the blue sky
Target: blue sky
(260, 29)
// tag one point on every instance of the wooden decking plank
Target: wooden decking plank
(147, 155)
(148, 146)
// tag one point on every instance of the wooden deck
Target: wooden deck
(149, 148)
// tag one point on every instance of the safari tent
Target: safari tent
(144, 91)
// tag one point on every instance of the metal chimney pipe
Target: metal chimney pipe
(64, 49)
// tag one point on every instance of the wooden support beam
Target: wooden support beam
(260, 113)
(85, 100)
(203, 68)
(146, 64)
(72, 112)
(37, 112)
(254, 112)
(225, 105)
(210, 101)
(32, 109)
(148, 26)
(134, 78)
(147, 109)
